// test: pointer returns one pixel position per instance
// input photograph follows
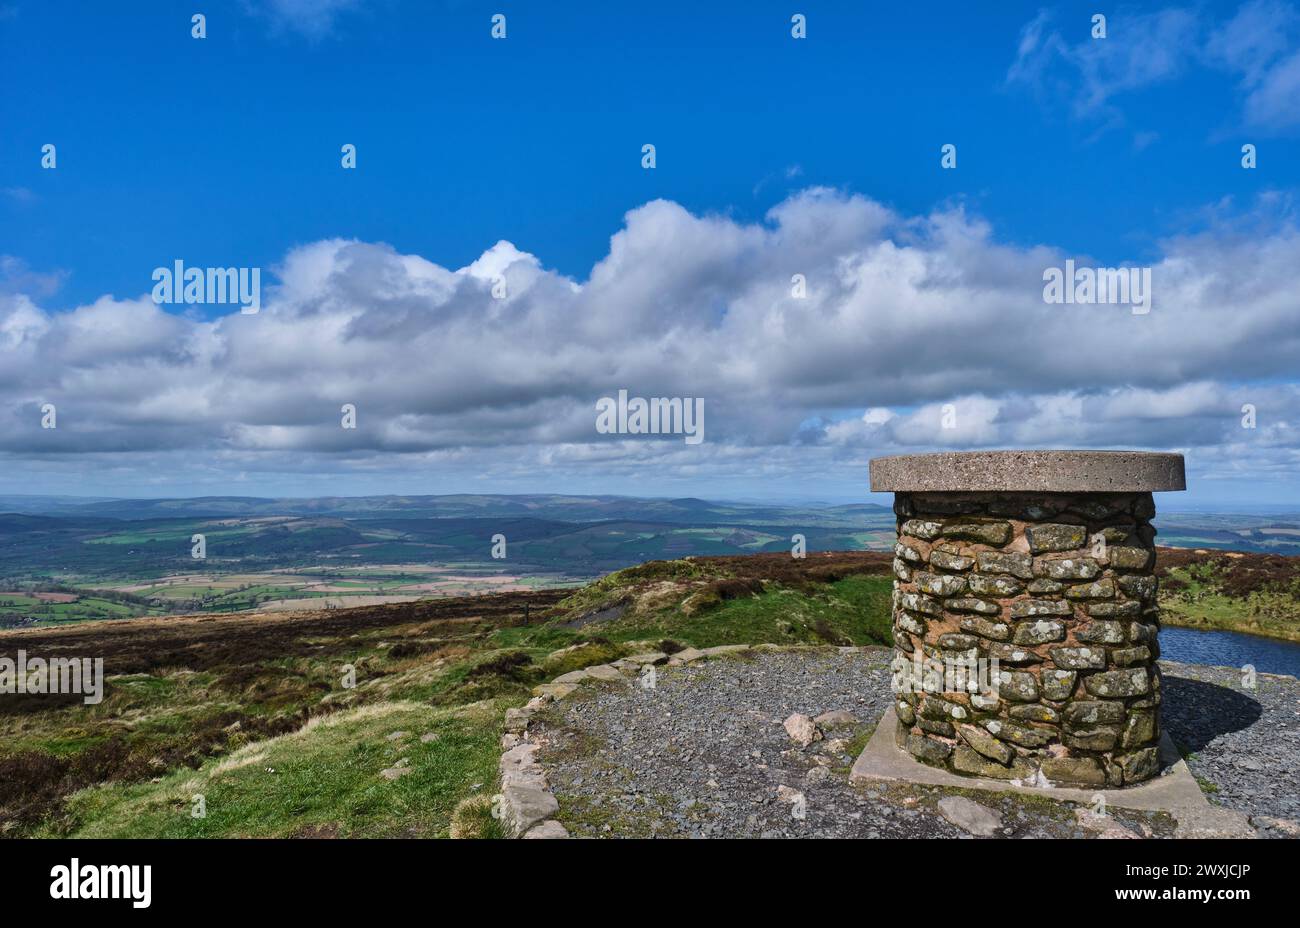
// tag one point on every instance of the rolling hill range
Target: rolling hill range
(112, 558)
(457, 506)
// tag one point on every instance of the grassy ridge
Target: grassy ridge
(250, 711)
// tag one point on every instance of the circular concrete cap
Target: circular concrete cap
(1029, 471)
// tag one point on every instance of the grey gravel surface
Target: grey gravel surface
(1242, 744)
(705, 754)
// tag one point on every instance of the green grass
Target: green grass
(216, 732)
(855, 610)
(851, 611)
(598, 592)
(18, 600)
(1270, 614)
(1202, 604)
(325, 778)
(87, 607)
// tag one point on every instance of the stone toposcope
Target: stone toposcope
(1025, 615)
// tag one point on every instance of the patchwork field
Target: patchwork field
(75, 561)
(113, 559)
(326, 587)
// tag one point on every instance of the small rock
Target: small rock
(398, 735)
(429, 736)
(970, 816)
(1102, 826)
(554, 690)
(547, 829)
(721, 649)
(802, 730)
(605, 672)
(649, 657)
(394, 773)
(526, 804)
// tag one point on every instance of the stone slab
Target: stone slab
(1029, 471)
(1174, 790)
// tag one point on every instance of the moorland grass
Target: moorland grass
(324, 779)
(252, 716)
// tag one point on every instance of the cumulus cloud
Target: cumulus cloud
(903, 316)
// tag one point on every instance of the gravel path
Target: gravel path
(704, 754)
(1244, 745)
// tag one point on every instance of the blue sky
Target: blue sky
(225, 151)
(229, 146)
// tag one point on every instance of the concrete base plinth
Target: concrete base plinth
(1174, 790)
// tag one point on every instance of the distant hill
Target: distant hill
(134, 557)
(554, 507)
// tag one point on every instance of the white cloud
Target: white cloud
(902, 315)
(1139, 50)
(1257, 45)
(1275, 102)
(17, 277)
(1254, 38)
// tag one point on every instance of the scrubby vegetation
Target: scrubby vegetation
(1230, 591)
(254, 713)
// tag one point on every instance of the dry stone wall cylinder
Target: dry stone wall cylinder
(1043, 564)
